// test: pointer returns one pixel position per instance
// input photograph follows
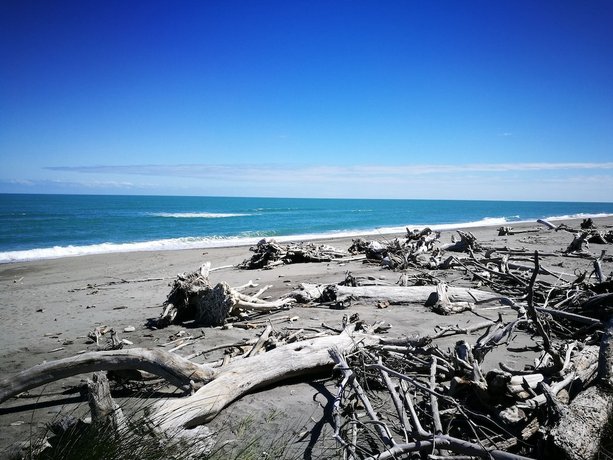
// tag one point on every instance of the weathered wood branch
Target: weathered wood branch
(171, 367)
(341, 364)
(440, 303)
(449, 443)
(392, 294)
(547, 224)
(245, 375)
(221, 385)
(269, 253)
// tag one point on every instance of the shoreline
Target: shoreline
(48, 308)
(200, 243)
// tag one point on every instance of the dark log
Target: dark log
(576, 245)
(468, 242)
(439, 302)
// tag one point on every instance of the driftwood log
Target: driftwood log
(392, 294)
(249, 374)
(215, 387)
(173, 368)
(192, 298)
(467, 242)
(105, 411)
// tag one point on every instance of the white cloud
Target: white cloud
(496, 181)
(265, 172)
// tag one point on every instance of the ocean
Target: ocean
(50, 226)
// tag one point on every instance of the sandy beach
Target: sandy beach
(48, 307)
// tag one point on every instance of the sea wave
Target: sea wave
(198, 215)
(580, 215)
(108, 248)
(485, 222)
(246, 239)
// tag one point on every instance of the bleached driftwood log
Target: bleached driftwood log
(173, 368)
(245, 375)
(221, 385)
(506, 231)
(392, 294)
(547, 224)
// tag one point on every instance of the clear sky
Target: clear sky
(408, 99)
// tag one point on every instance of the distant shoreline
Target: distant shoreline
(190, 243)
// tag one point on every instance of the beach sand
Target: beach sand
(47, 310)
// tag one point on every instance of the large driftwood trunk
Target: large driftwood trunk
(579, 432)
(221, 385)
(395, 294)
(244, 375)
(171, 367)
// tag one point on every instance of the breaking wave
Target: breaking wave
(198, 215)
(578, 216)
(245, 238)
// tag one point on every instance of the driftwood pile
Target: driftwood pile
(396, 397)
(269, 253)
(270, 358)
(192, 298)
(418, 249)
(408, 395)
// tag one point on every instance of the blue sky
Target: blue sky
(408, 99)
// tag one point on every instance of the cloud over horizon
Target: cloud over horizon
(225, 170)
(579, 181)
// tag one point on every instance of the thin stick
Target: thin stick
(384, 432)
(436, 416)
(261, 341)
(402, 415)
(409, 401)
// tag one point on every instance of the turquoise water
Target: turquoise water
(42, 226)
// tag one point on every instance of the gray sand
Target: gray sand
(47, 310)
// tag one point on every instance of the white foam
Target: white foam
(200, 243)
(244, 240)
(107, 248)
(198, 215)
(578, 216)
